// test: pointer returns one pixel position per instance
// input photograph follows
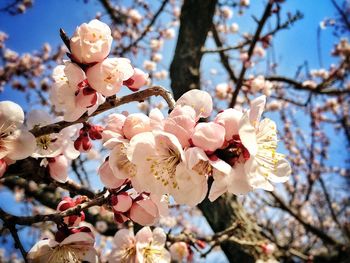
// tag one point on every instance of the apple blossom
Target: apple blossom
(15, 143)
(113, 129)
(135, 16)
(226, 12)
(222, 91)
(76, 247)
(107, 77)
(234, 28)
(91, 42)
(169, 33)
(253, 156)
(52, 145)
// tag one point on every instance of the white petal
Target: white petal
(256, 109)
(11, 116)
(22, 146)
(247, 135)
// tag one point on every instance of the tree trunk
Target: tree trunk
(195, 22)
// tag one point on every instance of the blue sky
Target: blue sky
(41, 24)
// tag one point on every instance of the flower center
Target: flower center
(151, 254)
(163, 167)
(44, 141)
(203, 168)
(124, 164)
(234, 152)
(65, 254)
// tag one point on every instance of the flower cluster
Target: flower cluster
(15, 142)
(82, 84)
(175, 155)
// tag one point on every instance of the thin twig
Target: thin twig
(109, 104)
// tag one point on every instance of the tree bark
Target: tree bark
(195, 21)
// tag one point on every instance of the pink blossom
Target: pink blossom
(229, 119)
(58, 168)
(15, 142)
(208, 136)
(156, 156)
(181, 122)
(68, 80)
(121, 202)
(222, 91)
(156, 119)
(113, 130)
(146, 246)
(137, 80)
(107, 176)
(77, 246)
(107, 77)
(144, 212)
(136, 123)
(91, 42)
(199, 100)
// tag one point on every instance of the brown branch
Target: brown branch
(316, 231)
(279, 27)
(54, 217)
(255, 39)
(299, 86)
(113, 13)
(224, 58)
(147, 28)
(109, 104)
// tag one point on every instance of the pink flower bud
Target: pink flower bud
(136, 123)
(208, 136)
(58, 168)
(72, 220)
(229, 119)
(121, 202)
(138, 80)
(120, 218)
(144, 212)
(107, 177)
(91, 42)
(83, 143)
(95, 132)
(181, 122)
(86, 97)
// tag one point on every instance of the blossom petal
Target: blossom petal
(247, 134)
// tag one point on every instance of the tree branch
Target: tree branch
(109, 104)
